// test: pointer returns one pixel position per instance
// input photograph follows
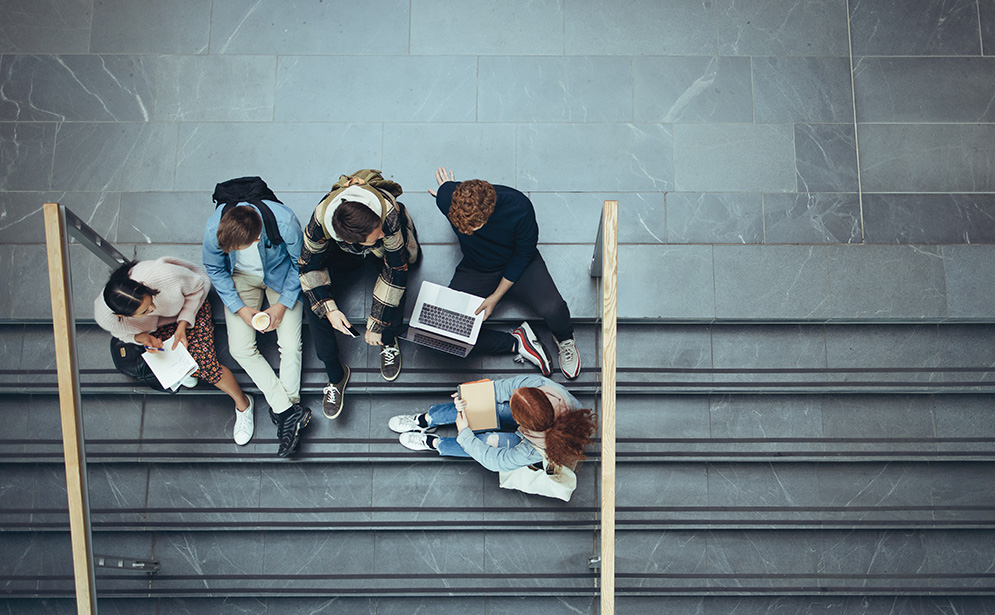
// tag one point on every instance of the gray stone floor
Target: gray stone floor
(803, 185)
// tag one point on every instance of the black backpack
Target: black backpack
(250, 190)
(128, 360)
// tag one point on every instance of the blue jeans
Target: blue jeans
(445, 414)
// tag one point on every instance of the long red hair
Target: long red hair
(566, 435)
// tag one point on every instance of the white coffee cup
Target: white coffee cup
(260, 321)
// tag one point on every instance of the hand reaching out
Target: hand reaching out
(442, 175)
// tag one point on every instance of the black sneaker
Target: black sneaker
(390, 362)
(289, 424)
(332, 395)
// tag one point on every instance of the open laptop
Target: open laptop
(444, 319)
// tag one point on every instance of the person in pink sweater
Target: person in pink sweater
(149, 302)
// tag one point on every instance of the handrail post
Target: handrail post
(609, 329)
(64, 325)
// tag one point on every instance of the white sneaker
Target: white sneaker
(417, 441)
(189, 382)
(404, 423)
(531, 349)
(569, 358)
(245, 423)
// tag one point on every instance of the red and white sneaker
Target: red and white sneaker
(531, 349)
(569, 358)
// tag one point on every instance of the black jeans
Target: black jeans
(325, 337)
(535, 288)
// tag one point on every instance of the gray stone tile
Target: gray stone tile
(675, 416)
(766, 416)
(674, 282)
(763, 553)
(772, 347)
(668, 552)
(430, 552)
(534, 605)
(890, 89)
(584, 89)
(812, 218)
(192, 424)
(221, 606)
(692, 89)
(33, 487)
(826, 157)
(637, 28)
(558, 157)
(871, 552)
(573, 217)
(887, 282)
(771, 485)
(714, 217)
(114, 418)
(671, 605)
(986, 12)
(772, 282)
(30, 299)
(23, 219)
(331, 605)
(433, 227)
(150, 26)
(114, 156)
(736, 158)
(439, 27)
(55, 26)
(896, 28)
(966, 553)
(212, 152)
(301, 97)
(275, 28)
(664, 353)
(884, 346)
(960, 484)
(969, 279)
(482, 151)
(77, 88)
(210, 485)
(215, 88)
(893, 417)
(903, 157)
(7, 283)
(67, 606)
(781, 28)
(963, 416)
(222, 553)
(430, 481)
(524, 552)
(929, 218)
(26, 153)
(41, 553)
(116, 486)
(150, 217)
(661, 485)
(968, 347)
(876, 485)
(575, 284)
(802, 90)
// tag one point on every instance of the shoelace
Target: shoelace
(389, 354)
(568, 352)
(331, 393)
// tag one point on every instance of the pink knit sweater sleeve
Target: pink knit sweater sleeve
(188, 279)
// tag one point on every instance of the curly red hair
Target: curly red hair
(472, 205)
(567, 435)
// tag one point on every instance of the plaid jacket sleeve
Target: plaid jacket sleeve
(315, 281)
(389, 288)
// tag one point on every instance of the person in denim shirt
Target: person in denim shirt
(536, 416)
(246, 267)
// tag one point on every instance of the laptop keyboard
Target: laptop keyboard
(447, 320)
(431, 342)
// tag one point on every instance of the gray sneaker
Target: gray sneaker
(390, 362)
(332, 396)
(569, 358)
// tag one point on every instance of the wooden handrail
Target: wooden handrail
(609, 328)
(63, 323)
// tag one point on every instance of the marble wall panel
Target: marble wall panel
(554, 89)
(215, 89)
(283, 154)
(573, 217)
(968, 346)
(53, 26)
(675, 553)
(115, 486)
(77, 88)
(114, 156)
(523, 552)
(676, 416)
(765, 486)
(631, 27)
(477, 27)
(806, 89)
(656, 484)
(430, 481)
(738, 158)
(969, 280)
(664, 353)
(812, 218)
(894, 417)
(151, 26)
(826, 157)
(927, 157)
(151, 217)
(963, 416)
(887, 282)
(884, 346)
(692, 89)
(566, 265)
(872, 552)
(960, 484)
(986, 12)
(217, 553)
(559, 157)
(876, 485)
(929, 218)
(214, 485)
(273, 27)
(714, 217)
(30, 298)
(782, 27)
(772, 282)
(765, 416)
(898, 28)
(766, 554)
(891, 89)
(350, 97)
(967, 553)
(483, 151)
(21, 216)
(770, 347)
(26, 153)
(427, 552)
(666, 282)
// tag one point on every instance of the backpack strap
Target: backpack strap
(250, 190)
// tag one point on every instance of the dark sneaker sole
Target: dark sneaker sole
(302, 423)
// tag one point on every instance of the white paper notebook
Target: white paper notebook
(171, 366)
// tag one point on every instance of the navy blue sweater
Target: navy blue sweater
(507, 241)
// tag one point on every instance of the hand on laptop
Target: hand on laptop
(487, 306)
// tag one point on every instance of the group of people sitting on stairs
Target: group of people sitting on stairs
(255, 250)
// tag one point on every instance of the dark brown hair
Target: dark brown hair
(566, 435)
(123, 295)
(239, 227)
(472, 205)
(353, 222)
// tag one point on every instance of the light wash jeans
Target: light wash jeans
(445, 414)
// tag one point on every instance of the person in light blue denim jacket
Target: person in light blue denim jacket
(536, 416)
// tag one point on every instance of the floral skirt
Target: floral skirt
(200, 343)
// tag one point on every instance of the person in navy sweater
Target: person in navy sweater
(498, 235)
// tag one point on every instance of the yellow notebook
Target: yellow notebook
(481, 411)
